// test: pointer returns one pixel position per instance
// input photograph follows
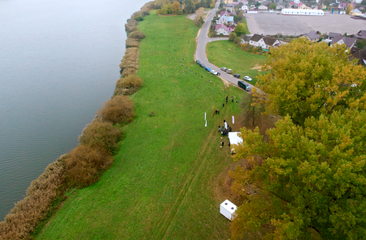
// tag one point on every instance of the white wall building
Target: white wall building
(303, 12)
(264, 42)
(228, 209)
(262, 7)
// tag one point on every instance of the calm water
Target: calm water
(58, 65)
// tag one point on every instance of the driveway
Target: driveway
(202, 40)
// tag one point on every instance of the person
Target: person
(223, 105)
(222, 144)
(222, 129)
(218, 111)
(219, 128)
(227, 99)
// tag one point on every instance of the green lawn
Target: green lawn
(246, 25)
(163, 183)
(239, 61)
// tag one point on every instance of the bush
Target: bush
(30, 211)
(84, 165)
(137, 35)
(101, 135)
(145, 13)
(131, 25)
(119, 109)
(128, 85)
(232, 36)
(129, 63)
(132, 42)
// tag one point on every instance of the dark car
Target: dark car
(202, 65)
(244, 85)
(236, 75)
(198, 62)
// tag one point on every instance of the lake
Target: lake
(58, 65)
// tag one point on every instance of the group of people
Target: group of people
(225, 129)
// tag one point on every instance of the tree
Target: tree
(307, 181)
(175, 7)
(257, 4)
(349, 9)
(272, 6)
(200, 13)
(189, 7)
(306, 79)
(240, 29)
(232, 36)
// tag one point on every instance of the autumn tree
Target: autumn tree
(240, 29)
(308, 180)
(272, 6)
(200, 13)
(349, 9)
(175, 7)
(306, 79)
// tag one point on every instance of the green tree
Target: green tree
(257, 4)
(189, 7)
(306, 79)
(240, 29)
(272, 6)
(304, 181)
(232, 36)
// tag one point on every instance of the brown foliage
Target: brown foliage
(131, 25)
(137, 35)
(28, 212)
(132, 42)
(83, 165)
(128, 85)
(119, 109)
(129, 63)
(101, 135)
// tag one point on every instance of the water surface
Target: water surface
(58, 65)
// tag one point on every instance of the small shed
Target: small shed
(228, 209)
(234, 139)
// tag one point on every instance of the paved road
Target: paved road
(202, 40)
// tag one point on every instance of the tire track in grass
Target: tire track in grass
(169, 217)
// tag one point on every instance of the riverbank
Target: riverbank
(164, 181)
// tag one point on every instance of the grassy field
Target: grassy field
(226, 54)
(246, 25)
(164, 183)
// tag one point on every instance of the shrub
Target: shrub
(101, 135)
(28, 212)
(145, 13)
(131, 24)
(129, 63)
(137, 35)
(232, 36)
(128, 85)
(132, 42)
(84, 164)
(119, 109)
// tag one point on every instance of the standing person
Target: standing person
(225, 124)
(223, 105)
(227, 99)
(222, 144)
(219, 128)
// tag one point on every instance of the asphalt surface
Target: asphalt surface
(202, 40)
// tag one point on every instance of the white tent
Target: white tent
(228, 209)
(234, 139)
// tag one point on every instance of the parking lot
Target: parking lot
(272, 23)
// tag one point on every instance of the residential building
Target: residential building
(360, 54)
(263, 41)
(343, 6)
(262, 7)
(360, 35)
(332, 35)
(349, 42)
(312, 36)
(225, 20)
(224, 30)
(227, 14)
(245, 8)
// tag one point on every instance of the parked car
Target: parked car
(247, 78)
(198, 62)
(244, 85)
(228, 70)
(213, 72)
(224, 69)
(202, 65)
(207, 69)
(236, 75)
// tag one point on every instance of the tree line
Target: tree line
(307, 178)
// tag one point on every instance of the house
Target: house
(332, 35)
(356, 12)
(262, 7)
(279, 7)
(303, 6)
(225, 20)
(361, 34)
(360, 54)
(224, 30)
(227, 14)
(229, 8)
(343, 6)
(350, 42)
(312, 36)
(263, 41)
(245, 8)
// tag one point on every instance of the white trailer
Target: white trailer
(302, 12)
(228, 209)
